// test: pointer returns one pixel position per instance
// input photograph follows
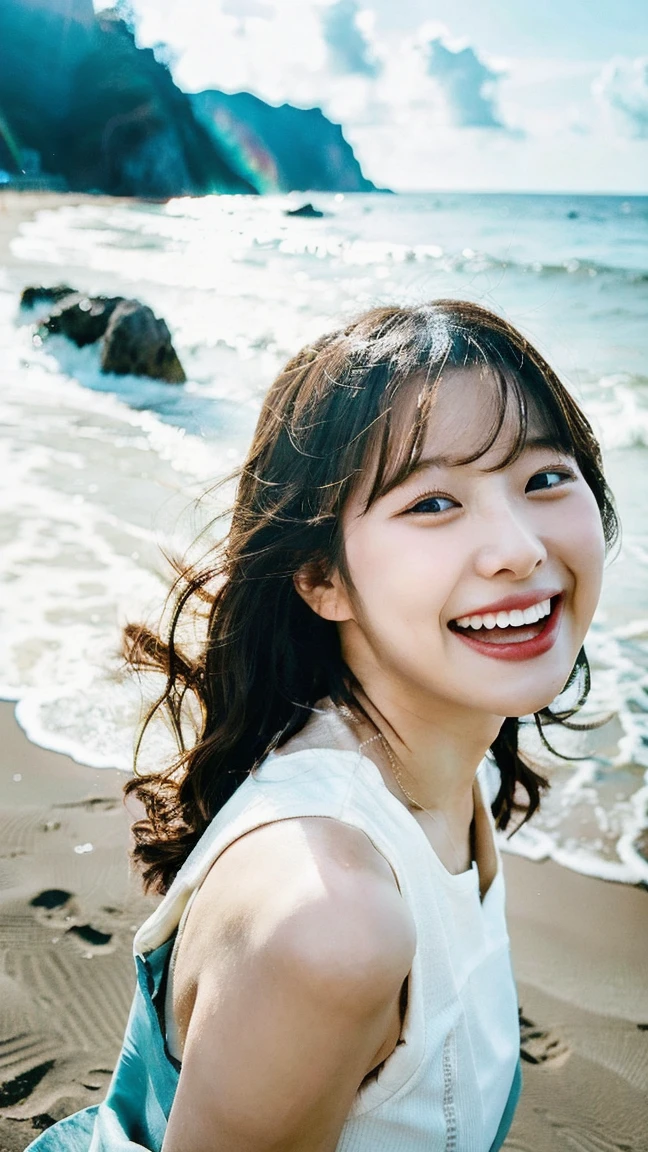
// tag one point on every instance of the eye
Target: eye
(549, 478)
(436, 504)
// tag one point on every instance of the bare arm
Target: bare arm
(293, 1004)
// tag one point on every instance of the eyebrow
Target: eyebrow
(427, 462)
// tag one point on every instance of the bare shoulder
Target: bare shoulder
(288, 980)
(289, 881)
(311, 894)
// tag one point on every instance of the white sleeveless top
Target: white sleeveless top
(445, 1085)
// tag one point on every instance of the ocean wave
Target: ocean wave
(617, 404)
(171, 248)
(630, 868)
(98, 474)
(362, 252)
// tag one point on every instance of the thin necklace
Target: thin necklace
(399, 780)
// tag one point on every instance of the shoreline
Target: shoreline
(579, 951)
(17, 207)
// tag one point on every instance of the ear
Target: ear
(325, 595)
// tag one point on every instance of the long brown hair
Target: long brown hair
(266, 657)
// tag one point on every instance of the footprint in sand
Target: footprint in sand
(51, 1088)
(92, 804)
(540, 1045)
(91, 935)
(58, 908)
(14, 1091)
(51, 898)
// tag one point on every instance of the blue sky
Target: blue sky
(438, 94)
(570, 29)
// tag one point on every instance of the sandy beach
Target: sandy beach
(16, 207)
(68, 911)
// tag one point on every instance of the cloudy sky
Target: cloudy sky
(438, 94)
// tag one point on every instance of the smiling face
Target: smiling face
(443, 564)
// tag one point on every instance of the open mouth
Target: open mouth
(516, 634)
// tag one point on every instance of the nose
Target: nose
(509, 546)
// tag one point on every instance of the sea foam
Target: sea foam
(99, 476)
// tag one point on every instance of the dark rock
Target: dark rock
(135, 341)
(138, 343)
(31, 297)
(83, 319)
(573, 214)
(306, 210)
(282, 149)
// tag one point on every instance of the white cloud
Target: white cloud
(622, 92)
(411, 112)
(460, 159)
(275, 50)
(346, 32)
(546, 97)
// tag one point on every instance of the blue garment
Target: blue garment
(415, 1101)
(134, 1115)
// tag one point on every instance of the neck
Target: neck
(437, 749)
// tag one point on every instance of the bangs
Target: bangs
(365, 397)
(520, 397)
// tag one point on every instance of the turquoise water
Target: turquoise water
(99, 471)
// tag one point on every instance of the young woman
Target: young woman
(414, 558)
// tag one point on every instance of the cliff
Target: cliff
(41, 44)
(133, 131)
(77, 92)
(81, 105)
(281, 149)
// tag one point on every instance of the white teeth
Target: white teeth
(514, 619)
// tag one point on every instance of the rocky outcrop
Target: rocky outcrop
(83, 319)
(137, 343)
(307, 211)
(83, 107)
(37, 295)
(97, 110)
(134, 132)
(134, 341)
(281, 149)
(42, 43)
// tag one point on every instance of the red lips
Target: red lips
(522, 649)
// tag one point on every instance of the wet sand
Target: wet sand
(68, 913)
